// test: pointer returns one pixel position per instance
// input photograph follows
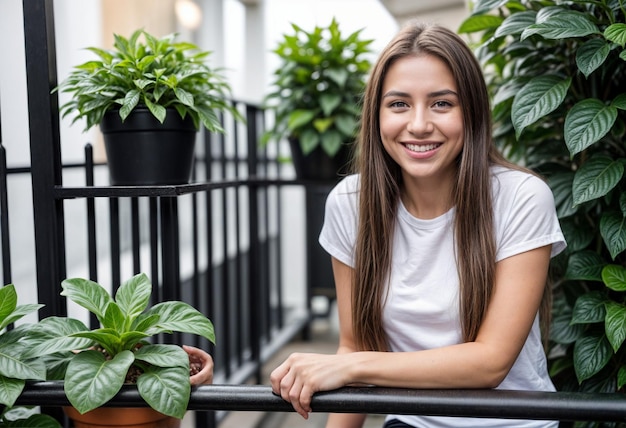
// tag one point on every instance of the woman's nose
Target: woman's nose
(420, 122)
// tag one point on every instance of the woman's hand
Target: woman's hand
(200, 366)
(302, 375)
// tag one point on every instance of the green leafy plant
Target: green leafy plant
(15, 366)
(96, 363)
(558, 75)
(157, 74)
(317, 87)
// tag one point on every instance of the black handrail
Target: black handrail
(504, 404)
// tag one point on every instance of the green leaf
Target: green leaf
(577, 238)
(482, 6)
(338, 75)
(331, 142)
(615, 324)
(561, 185)
(479, 23)
(88, 294)
(130, 102)
(299, 118)
(156, 109)
(614, 277)
(537, 98)
(563, 25)
(329, 102)
(592, 55)
(8, 303)
(613, 231)
(163, 355)
(597, 177)
(591, 354)
(587, 122)
(589, 308)
(54, 334)
(346, 124)
(91, 380)
(181, 317)
(166, 390)
(516, 23)
(309, 140)
(616, 33)
(621, 377)
(620, 101)
(19, 312)
(10, 390)
(14, 365)
(585, 265)
(184, 96)
(133, 296)
(321, 125)
(562, 331)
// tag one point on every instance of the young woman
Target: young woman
(440, 248)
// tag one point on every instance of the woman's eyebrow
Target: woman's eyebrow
(434, 94)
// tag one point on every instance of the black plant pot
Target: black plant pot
(317, 165)
(143, 152)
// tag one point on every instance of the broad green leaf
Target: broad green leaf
(329, 102)
(88, 294)
(589, 308)
(614, 277)
(130, 102)
(10, 390)
(34, 421)
(321, 125)
(8, 302)
(331, 142)
(156, 109)
(346, 124)
(577, 238)
(14, 365)
(516, 23)
(91, 380)
(166, 390)
(482, 6)
(108, 338)
(163, 355)
(184, 96)
(620, 101)
(615, 324)
(537, 98)
(562, 331)
(337, 75)
(181, 317)
(585, 265)
(479, 23)
(561, 185)
(142, 83)
(309, 140)
(592, 55)
(622, 55)
(621, 377)
(563, 25)
(613, 231)
(299, 118)
(133, 296)
(597, 177)
(114, 318)
(591, 354)
(587, 122)
(19, 312)
(616, 33)
(55, 334)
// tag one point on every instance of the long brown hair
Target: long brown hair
(381, 181)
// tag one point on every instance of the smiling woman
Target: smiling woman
(440, 248)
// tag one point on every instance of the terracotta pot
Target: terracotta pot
(103, 417)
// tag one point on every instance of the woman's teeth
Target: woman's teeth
(422, 147)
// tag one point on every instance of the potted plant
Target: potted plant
(95, 364)
(15, 366)
(150, 98)
(316, 97)
(557, 71)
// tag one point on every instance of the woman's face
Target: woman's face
(421, 122)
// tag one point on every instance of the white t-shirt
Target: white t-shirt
(422, 310)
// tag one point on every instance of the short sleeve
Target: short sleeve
(525, 215)
(338, 234)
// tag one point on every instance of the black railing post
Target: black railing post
(45, 152)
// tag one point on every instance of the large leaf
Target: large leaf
(19, 312)
(133, 296)
(12, 364)
(614, 277)
(589, 308)
(615, 324)
(55, 334)
(592, 55)
(299, 118)
(10, 389)
(8, 302)
(88, 294)
(91, 380)
(482, 6)
(577, 238)
(331, 142)
(329, 102)
(181, 317)
(616, 33)
(516, 23)
(561, 185)
(585, 265)
(621, 377)
(309, 140)
(591, 354)
(613, 231)
(596, 178)
(537, 98)
(562, 331)
(563, 25)
(587, 122)
(163, 355)
(166, 389)
(479, 23)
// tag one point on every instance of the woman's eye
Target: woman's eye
(398, 104)
(441, 104)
